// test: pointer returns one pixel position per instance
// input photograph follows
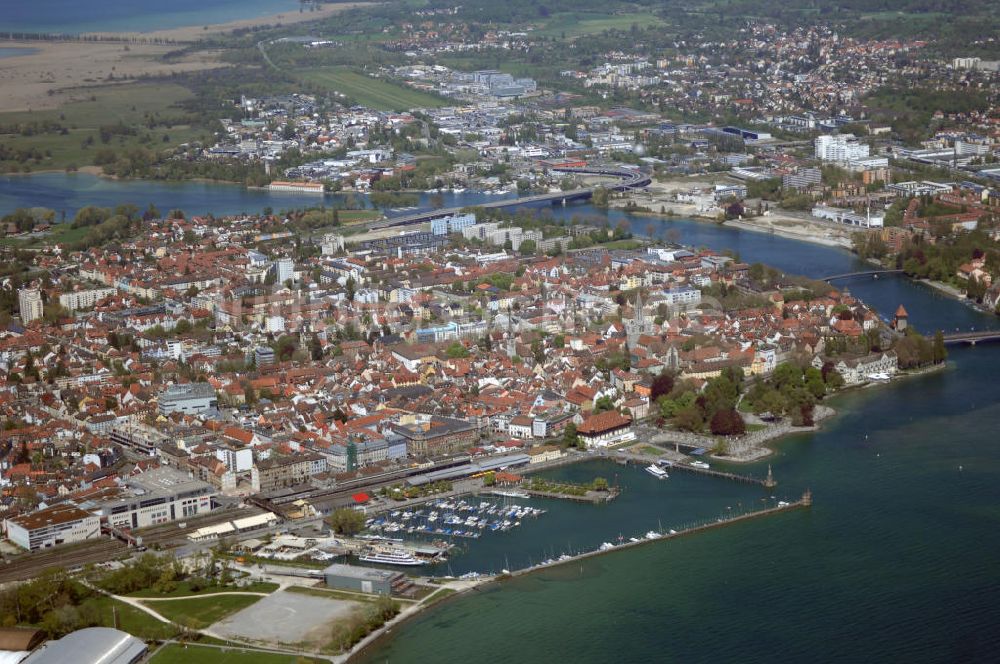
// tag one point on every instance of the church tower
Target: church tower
(638, 325)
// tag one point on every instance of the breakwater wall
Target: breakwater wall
(804, 501)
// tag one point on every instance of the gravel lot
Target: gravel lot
(285, 617)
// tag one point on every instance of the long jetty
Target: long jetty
(804, 501)
(766, 482)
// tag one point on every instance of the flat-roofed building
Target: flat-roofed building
(31, 306)
(363, 579)
(190, 398)
(84, 299)
(157, 496)
(59, 524)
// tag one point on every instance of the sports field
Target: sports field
(371, 92)
(578, 25)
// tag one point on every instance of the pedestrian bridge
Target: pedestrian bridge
(862, 273)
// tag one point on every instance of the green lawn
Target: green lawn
(200, 612)
(357, 216)
(183, 589)
(577, 25)
(134, 105)
(130, 619)
(60, 233)
(440, 594)
(176, 653)
(371, 92)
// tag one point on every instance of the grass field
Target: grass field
(176, 653)
(131, 619)
(357, 216)
(200, 612)
(371, 92)
(132, 105)
(578, 25)
(183, 589)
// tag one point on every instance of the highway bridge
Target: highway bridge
(971, 338)
(628, 179)
(862, 273)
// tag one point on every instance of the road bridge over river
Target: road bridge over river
(971, 338)
(628, 180)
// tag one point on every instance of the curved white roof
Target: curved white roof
(93, 645)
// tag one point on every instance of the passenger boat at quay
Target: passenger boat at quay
(657, 472)
(390, 556)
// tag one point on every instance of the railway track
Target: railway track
(29, 565)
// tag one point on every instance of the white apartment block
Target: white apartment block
(84, 299)
(841, 148)
(681, 295)
(30, 301)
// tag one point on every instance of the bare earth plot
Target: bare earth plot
(285, 617)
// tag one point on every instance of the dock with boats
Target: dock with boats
(452, 518)
(696, 466)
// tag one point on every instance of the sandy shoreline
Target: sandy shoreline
(784, 223)
(193, 33)
(794, 231)
(60, 72)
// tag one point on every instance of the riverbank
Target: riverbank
(783, 223)
(795, 229)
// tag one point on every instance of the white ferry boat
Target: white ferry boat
(879, 377)
(657, 472)
(511, 493)
(391, 557)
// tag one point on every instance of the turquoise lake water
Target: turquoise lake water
(77, 16)
(898, 560)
